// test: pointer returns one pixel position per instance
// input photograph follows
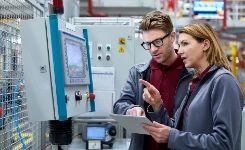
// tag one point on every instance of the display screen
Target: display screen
(208, 9)
(95, 133)
(75, 59)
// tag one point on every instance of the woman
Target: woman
(210, 115)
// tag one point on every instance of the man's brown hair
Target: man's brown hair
(156, 20)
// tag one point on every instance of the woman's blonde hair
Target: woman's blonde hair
(200, 32)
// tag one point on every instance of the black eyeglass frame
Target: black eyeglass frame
(161, 39)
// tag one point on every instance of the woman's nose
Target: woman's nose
(180, 51)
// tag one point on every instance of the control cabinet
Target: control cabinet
(56, 69)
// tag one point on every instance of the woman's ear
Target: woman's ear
(206, 45)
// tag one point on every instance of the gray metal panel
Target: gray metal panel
(103, 35)
(76, 107)
(35, 56)
(103, 104)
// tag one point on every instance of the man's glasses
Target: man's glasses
(156, 43)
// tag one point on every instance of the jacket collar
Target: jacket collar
(210, 71)
(144, 67)
(213, 69)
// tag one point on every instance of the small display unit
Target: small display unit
(75, 60)
(95, 132)
(106, 133)
(208, 9)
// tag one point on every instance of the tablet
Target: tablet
(132, 123)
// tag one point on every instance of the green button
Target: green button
(108, 48)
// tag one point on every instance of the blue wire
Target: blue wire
(14, 113)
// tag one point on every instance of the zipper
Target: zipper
(182, 106)
(177, 119)
(198, 86)
(179, 82)
(189, 100)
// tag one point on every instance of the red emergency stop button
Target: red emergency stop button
(92, 96)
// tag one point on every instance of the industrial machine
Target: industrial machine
(57, 74)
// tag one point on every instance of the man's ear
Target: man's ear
(172, 36)
(206, 45)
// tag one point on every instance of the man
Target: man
(163, 71)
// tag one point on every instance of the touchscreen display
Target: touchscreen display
(96, 133)
(208, 9)
(75, 59)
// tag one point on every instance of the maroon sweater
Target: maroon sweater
(165, 79)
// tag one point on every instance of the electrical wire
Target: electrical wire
(76, 135)
(46, 146)
(16, 89)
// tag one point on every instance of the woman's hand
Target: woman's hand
(159, 132)
(151, 95)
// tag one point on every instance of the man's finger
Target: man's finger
(151, 89)
(129, 112)
(147, 95)
(138, 112)
(147, 84)
(146, 99)
(134, 113)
